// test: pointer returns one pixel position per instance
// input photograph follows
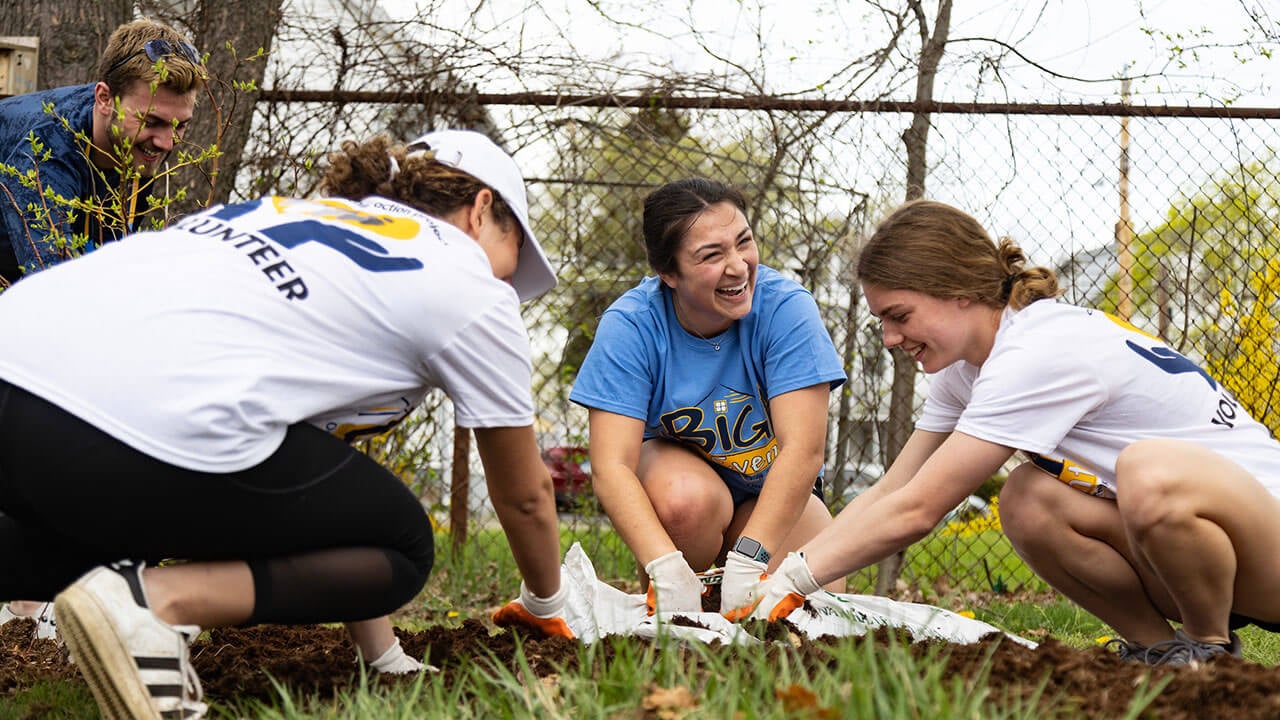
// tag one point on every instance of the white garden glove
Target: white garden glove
(741, 576)
(785, 590)
(673, 586)
(395, 662)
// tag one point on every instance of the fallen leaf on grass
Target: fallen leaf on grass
(669, 703)
(801, 701)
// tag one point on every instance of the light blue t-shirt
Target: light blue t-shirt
(643, 364)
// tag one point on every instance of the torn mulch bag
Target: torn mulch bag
(595, 609)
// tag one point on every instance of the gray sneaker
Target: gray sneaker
(46, 623)
(1183, 651)
(1128, 651)
(137, 666)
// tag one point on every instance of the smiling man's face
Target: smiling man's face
(148, 122)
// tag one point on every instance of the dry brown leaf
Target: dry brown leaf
(802, 702)
(669, 703)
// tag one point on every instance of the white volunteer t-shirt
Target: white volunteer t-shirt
(1073, 387)
(200, 344)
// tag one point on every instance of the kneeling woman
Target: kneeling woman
(707, 387)
(199, 392)
(1141, 499)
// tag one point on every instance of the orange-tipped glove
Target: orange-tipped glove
(781, 593)
(742, 576)
(673, 586)
(541, 615)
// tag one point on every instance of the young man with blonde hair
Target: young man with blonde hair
(85, 146)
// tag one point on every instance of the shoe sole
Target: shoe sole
(103, 659)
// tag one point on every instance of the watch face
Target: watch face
(751, 548)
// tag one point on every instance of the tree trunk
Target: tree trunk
(223, 117)
(73, 34)
(915, 138)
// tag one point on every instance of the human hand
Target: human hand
(781, 593)
(741, 577)
(542, 615)
(673, 586)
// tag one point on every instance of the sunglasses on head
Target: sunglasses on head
(157, 49)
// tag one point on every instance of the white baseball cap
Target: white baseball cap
(478, 156)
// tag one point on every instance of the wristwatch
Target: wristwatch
(752, 549)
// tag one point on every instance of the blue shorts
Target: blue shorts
(741, 495)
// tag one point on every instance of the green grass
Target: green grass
(481, 572)
(50, 701)
(858, 680)
(682, 681)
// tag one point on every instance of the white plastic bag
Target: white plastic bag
(840, 614)
(595, 609)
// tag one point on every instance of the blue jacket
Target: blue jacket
(24, 236)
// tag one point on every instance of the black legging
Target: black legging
(329, 534)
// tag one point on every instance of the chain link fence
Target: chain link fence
(1165, 216)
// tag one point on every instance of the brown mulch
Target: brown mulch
(235, 663)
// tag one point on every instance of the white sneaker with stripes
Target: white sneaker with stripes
(137, 666)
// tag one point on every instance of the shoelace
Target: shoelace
(1183, 651)
(1125, 650)
(192, 691)
(192, 705)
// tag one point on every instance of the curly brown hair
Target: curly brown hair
(125, 60)
(939, 250)
(362, 169)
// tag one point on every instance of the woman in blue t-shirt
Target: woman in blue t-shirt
(701, 383)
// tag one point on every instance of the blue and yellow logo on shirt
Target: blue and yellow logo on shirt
(736, 435)
(1073, 474)
(387, 226)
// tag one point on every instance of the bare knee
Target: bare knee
(1147, 464)
(1147, 481)
(1027, 503)
(689, 508)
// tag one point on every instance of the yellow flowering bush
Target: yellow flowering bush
(975, 525)
(1249, 367)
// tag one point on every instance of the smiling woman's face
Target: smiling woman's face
(715, 273)
(936, 332)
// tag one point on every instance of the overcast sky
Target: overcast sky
(808, 40)
(805, 41)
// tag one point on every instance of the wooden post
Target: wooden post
(460, 486)
(1124, 228)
